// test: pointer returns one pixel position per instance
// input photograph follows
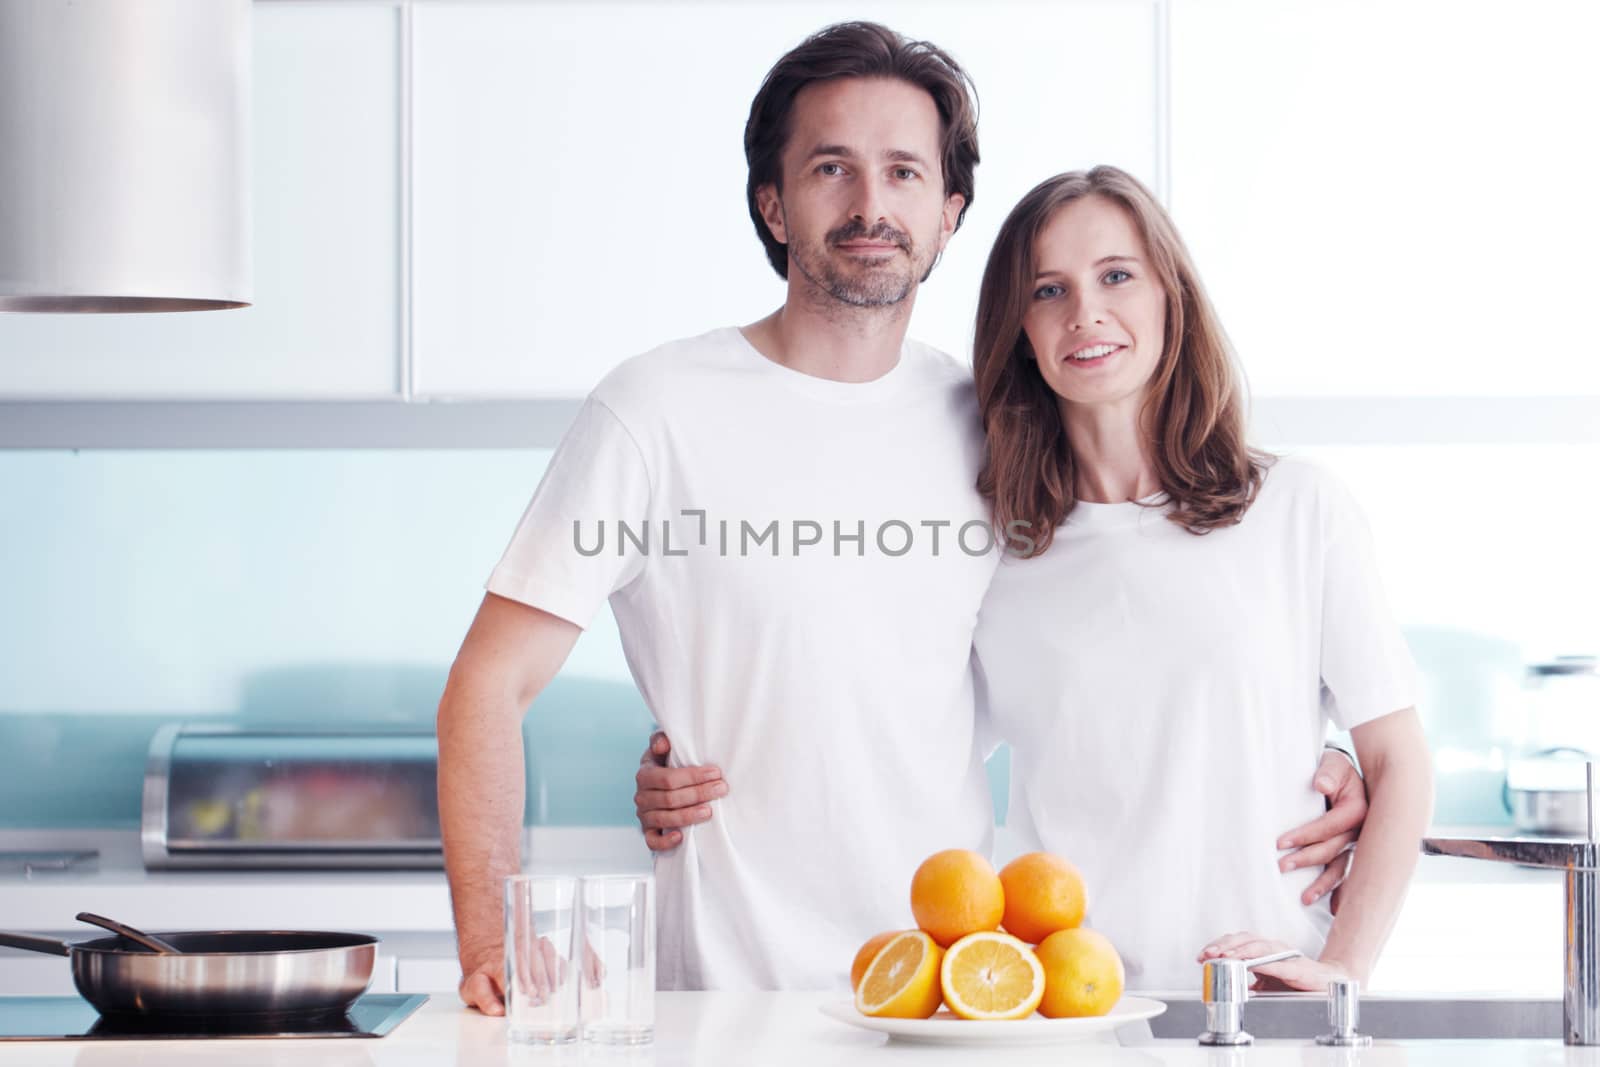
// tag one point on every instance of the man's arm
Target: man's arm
(670, 798)
(510, 653)
(1325, 841)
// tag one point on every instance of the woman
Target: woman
(1193, 611)
(1177, 616)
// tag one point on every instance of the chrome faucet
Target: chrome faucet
(1224, 986)
(1580, 859)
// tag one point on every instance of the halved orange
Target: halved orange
(865, 954)
(989, 975)
(902, 981)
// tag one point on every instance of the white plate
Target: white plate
(946, 1029)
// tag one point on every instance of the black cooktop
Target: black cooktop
(72, 1019)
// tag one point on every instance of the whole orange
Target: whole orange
(1044, 893)
(864, 956)
(1083, 974)
(955, 893)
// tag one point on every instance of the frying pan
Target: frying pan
(220, 972)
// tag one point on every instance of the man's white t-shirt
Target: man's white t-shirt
(805, 623)
(1167, 696)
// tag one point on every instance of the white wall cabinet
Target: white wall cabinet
(1392, 199)
(1354, 179)
(325, 319)
(579, 190)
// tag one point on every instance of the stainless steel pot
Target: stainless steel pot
(1545, 793)
(223, 972)
(1559, 812)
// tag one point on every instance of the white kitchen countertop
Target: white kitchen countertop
(758, 1030)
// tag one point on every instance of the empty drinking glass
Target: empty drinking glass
(541, 955)
(618, 998)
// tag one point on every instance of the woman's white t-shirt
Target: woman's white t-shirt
(1166, 697)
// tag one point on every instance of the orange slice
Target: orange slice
(865, 955)
(990, 975)
(902, 981)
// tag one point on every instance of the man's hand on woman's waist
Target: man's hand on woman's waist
(669, 798)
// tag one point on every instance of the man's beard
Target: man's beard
(861, 284)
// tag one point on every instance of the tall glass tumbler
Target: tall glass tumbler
(618, 998)
(542, 965)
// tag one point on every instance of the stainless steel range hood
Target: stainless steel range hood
(124, 155)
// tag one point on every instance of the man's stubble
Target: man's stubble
(867, 285)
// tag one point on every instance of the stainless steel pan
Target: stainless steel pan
(224, 972)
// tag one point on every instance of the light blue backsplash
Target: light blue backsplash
(270, 587)
(144, 587)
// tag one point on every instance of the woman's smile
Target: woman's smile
(1092, 354)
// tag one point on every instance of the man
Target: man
(784, 520)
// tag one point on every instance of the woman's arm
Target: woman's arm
(1399, 773)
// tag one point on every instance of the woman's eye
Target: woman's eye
(1117, 277)
(1047, 292)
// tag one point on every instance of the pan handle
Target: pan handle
(30, 943)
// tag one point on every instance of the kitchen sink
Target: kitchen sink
(1305, 1015)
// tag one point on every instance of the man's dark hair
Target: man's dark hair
(858, 50)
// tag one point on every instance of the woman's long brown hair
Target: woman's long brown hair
(1194, 414)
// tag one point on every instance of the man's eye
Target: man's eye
(1047, 292)
(830, 169)
(1117, 277)
(905, 173)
